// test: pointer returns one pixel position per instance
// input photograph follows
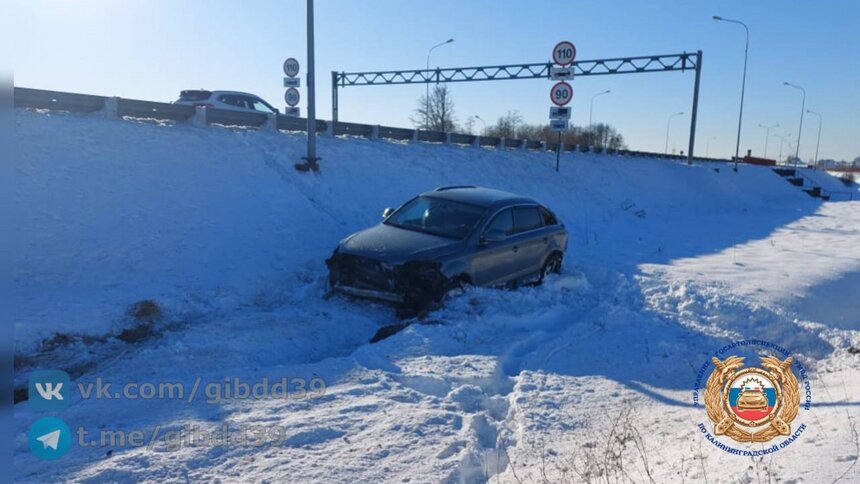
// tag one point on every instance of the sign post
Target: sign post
(292, 66)
(561, 93)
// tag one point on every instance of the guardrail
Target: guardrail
(134, 108)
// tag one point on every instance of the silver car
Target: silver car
(229, 100)
(446, 238)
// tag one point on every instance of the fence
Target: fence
(134, 108)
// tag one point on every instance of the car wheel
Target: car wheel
(551, 266)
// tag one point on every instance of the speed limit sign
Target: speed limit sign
(292, 96)
(291, 67)
(561, 93)
(564, 53)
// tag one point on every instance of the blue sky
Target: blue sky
(153, 49)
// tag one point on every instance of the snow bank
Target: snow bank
(666, 264)
(108, 213)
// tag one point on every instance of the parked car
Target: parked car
(232, 100)
(446, 238)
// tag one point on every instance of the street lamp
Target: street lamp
(708, 147)
(781, 141)
(668, 123)
(743, 84)
(427, 84)
(767, 135)
(591, 112)
(482, 122)
(800, 128)
(817, 143)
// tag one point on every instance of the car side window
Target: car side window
(258, 105)
(548, 217)
(233, 100)
(526, 218)
(503, 221)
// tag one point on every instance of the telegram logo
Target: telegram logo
(49, 390)
(49, 438)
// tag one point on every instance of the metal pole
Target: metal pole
(695, 108)
(817, 143)
(781, 140)
(800, 128)
(668, 123)
(558, 151)
(333, 98)
(767, 135)
(427, 83)
(590, 113)
(311, 158)
(743, 84)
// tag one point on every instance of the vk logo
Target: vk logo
(49, 438)
(49, 390)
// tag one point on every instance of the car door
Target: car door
(529, 239)
(495, 261)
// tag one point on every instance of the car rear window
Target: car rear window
(194, 95)
(548, 217)
(526, 218)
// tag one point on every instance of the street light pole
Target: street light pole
(817, 143)
(427, 84)
(800, 128)
(767, 135)
(708, 147)
(781, 142)
(591, 112)
(743, 84)
(482, 122)
(668, 123)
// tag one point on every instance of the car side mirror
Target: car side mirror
(496, 235)
(387, 212)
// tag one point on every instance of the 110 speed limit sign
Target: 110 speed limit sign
(564, 53)
(561, 93)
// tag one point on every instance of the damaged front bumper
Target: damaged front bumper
(414, 283)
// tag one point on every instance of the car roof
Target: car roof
(239, 93)
(483, 197)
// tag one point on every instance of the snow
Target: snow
(667, 263)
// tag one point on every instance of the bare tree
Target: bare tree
(508, 126)
(605, 136)
(437, 112)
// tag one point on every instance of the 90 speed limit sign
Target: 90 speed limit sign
(561, 93)
(292, 96)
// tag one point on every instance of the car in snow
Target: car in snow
(447, 238)
(230, 100)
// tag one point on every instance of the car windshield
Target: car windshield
(437, 216)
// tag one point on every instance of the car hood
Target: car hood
(396, 245)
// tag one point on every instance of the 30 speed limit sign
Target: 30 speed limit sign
(564, 53)
(292, 96)
(561, 93)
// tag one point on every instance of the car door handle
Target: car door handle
(546, 240)
(516, 249)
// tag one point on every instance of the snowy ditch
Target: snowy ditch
(666, 263)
